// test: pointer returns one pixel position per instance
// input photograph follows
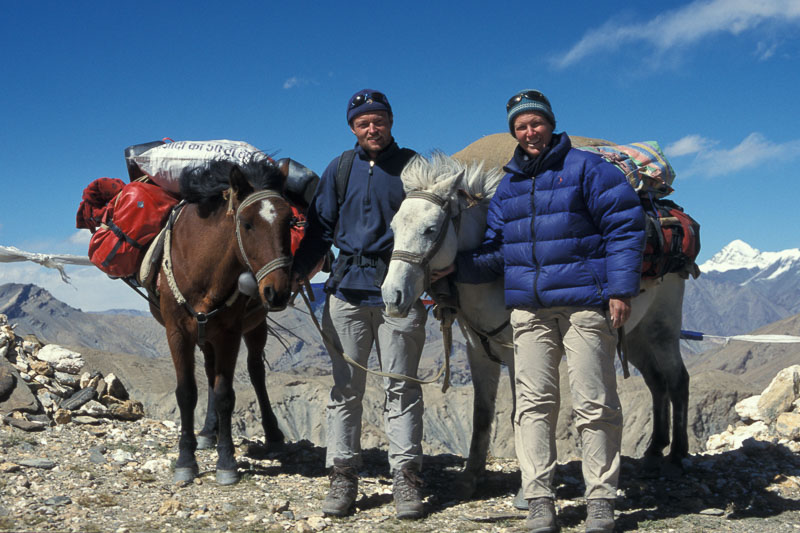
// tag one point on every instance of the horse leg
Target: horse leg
(255, 340)
(679, 393)
(207, 438)
(182, 350)
(226, 347)
(654, 346)
(645, 359)
(485, 380)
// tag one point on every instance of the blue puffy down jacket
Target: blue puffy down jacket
(572, 236)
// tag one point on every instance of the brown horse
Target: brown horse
(236, 221)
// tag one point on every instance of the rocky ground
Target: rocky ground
(77, 454)
(115, 476)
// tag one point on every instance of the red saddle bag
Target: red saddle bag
(298, 228)
(673, 239)
(131, 221)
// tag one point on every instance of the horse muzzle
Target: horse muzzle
(275, 291)
(401, 288)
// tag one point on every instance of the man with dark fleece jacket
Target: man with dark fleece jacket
(356, 219)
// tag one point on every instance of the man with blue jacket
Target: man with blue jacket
(567, 230)
(357, 196)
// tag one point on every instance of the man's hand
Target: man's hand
(620, 309)
(439, 274)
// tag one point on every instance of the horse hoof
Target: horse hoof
(520, 502)
(185, 474)
(205, 442)
(227, 477)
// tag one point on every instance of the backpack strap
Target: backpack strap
(343, 174)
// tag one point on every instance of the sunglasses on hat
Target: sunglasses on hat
(528, 95)
(368, 98)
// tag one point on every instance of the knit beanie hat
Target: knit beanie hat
(529, 100)
(366, 101)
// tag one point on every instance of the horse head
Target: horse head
(424, 236)
(263, 218)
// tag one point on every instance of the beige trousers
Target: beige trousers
(585, 336)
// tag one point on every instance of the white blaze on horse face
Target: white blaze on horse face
(268, 211)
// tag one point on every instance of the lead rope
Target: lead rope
(445, 369)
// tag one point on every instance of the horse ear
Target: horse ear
(448, 187)
(284, 170)
(241, 187)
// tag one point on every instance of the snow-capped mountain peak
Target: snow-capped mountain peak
(740, 255)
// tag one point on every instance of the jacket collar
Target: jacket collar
(559, 146)
(386, 153)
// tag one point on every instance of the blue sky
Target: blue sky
(714, 82)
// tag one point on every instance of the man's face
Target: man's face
(373, 131)
(533, 132)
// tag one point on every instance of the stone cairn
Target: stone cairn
(42, 385)
(767, 419)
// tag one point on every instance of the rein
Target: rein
(445, 369)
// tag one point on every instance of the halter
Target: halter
(278, 262)
(202, 318)
(423, 259)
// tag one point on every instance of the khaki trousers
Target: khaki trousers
(398, 342)
(585, 336)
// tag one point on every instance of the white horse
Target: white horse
(445, 212)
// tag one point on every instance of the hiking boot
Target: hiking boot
(599, 516)
(541, 516)
(344, 489)
(407, 490)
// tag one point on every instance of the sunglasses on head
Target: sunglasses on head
(365, 98)
(528, 95)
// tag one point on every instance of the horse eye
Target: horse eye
(429, 230)
(247, 226)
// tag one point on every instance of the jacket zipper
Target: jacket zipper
(369, 184)
(533, 246)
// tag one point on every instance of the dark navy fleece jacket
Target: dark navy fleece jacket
(360, 227)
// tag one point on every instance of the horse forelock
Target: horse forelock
(423, 173)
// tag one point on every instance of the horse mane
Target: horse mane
(204, 184)
(422, 173)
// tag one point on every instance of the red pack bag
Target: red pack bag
(298, 229)
(94, 202)
(673, 239)
(131, 221)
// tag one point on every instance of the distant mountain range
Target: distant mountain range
(742, 289)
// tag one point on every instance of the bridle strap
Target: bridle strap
(202, 318)
(424, 259)
(275, 264)
(429, 196)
